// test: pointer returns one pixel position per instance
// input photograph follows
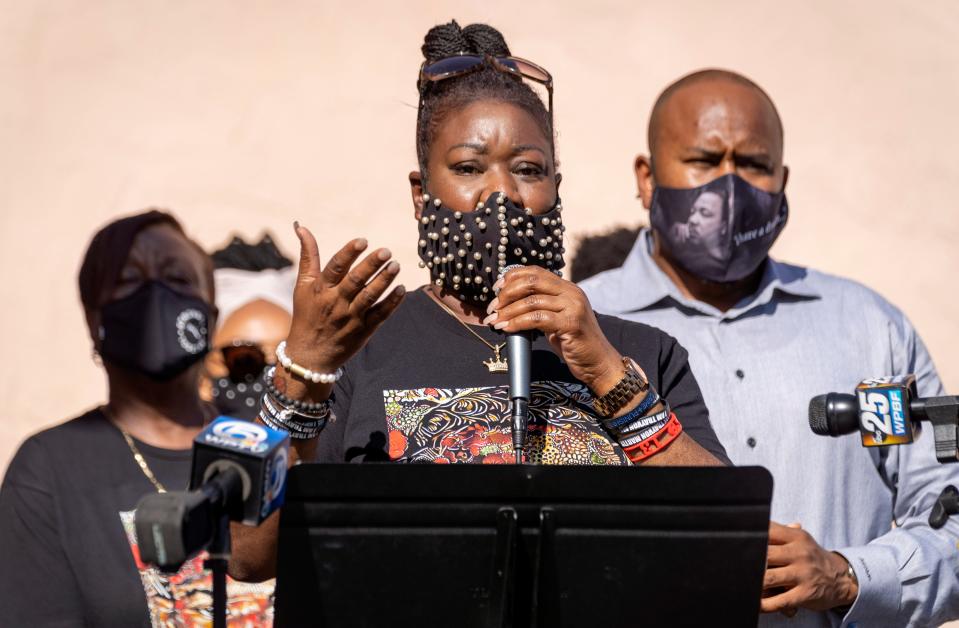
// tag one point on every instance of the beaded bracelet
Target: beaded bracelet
(301, 407)
(302, 371)
(281, 419)
(286, 413)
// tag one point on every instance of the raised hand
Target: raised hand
(531, 297)
(336, 308)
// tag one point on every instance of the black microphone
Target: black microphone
(519, 355)
(834, 414)
(174, 526)
(239, 472)
(885, 411)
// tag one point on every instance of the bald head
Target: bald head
(705, 82)
(709, 124)
(258, 322)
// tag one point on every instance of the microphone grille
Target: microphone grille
(818, 421)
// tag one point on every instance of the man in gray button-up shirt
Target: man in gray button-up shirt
(762, 342)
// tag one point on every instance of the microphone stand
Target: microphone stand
(226, 488)
(946, 504)
(943, 413)
(216, 562)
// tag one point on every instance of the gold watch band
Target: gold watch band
(623, 392)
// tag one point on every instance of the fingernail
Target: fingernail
(493, 306)
(489, 319)
(501, 325)
(296, 225)
(498, 284)
(383, 254)
(393, 267)
(400, 290)
(360, 244)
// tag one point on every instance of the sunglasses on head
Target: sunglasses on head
(245, 360)
(458, 65)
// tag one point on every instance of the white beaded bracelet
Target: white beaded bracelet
(303, 372)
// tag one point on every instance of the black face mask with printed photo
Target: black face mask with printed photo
(467, 251)
(156, 331)
(721, 231)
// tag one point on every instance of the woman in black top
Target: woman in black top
(69, 554)
(430, 384)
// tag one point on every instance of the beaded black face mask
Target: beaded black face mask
(239, 399)
(467, 252)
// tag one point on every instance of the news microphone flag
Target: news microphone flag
(884, 416)
(261, 453)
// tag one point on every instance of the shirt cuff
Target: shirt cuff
(880, 592)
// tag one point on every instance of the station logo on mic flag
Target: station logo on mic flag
(884, 410)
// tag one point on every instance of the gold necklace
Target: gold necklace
(140, 460)
(496, 364)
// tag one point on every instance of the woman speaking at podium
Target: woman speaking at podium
(421, 377)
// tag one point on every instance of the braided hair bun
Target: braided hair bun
(438, 99)
(447, 40)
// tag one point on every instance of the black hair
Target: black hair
(711, 74)
(108, 252)
(439, 98)
(241, 255)
(601, 251)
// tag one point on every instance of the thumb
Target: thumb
(555, 343)
(310, 267)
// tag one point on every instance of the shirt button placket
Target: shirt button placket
(750, 442)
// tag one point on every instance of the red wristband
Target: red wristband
(657, 442)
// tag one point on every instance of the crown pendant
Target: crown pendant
(497, 364)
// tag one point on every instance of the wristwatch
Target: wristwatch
(623, 392)
(843, 610)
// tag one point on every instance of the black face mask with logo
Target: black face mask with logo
(467, 251)
(721, 231)
(156, 331)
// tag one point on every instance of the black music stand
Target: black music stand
(473, 545)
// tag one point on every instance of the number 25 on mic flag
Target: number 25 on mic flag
(884, 410)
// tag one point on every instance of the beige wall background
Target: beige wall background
(245, 115)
